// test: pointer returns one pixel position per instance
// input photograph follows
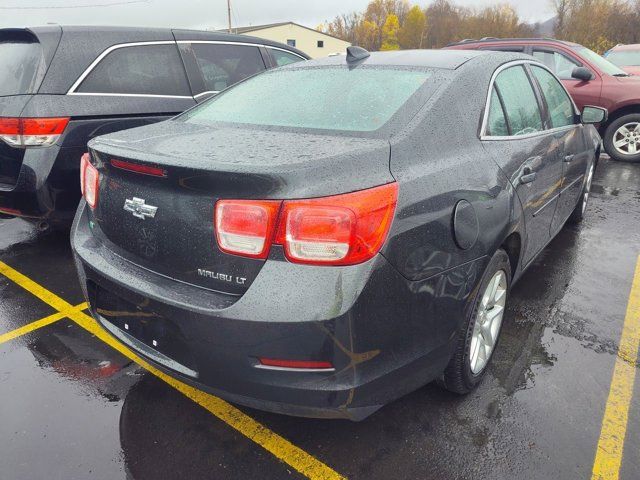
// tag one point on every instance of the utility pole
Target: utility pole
(229, 13)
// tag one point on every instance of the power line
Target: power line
(236, 15)
(111, 4)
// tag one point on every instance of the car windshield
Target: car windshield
(602, 63)
(331, 98)
(625, 58)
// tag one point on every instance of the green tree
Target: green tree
(390, 33)
(411, 34)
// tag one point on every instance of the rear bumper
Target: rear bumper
(385, 336)
(47, 187)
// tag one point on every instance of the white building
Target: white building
(314, 43)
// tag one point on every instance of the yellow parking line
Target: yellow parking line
(18, 332)
(280, 447)
(616, 415)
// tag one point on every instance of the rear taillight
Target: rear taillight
(89, 181)
(32, 132)
(245, 227)
(339, 230)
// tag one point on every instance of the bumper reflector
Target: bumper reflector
(308, 365)
(10, 211)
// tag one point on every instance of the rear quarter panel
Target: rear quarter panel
(439, 162)
(620, 93)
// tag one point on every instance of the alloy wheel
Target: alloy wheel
(626, 140)
(488, 322)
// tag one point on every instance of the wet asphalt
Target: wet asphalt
(71, 407)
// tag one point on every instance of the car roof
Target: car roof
(492, 40)
(123, 34)
(446, 59)
(72, 48)
(441, 59)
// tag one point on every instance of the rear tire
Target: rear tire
(466, 368)
(622, 138)
(579, 212)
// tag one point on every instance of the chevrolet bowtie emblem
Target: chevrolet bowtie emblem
(139, 209)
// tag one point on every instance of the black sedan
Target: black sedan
(326, 237)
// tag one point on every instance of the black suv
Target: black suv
(62, 86)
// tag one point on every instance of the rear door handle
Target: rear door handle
(569, 158)
(528, 175)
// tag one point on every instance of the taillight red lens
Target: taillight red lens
(32, 132)
(44, 126)
(339, 230)
(9, 126)
(319, 233)
(89, 181)
(245, 227)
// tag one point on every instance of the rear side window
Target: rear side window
(282, 58)
(21, 61)
(520, 103)
(223, 65)
(139, 70)
(558, 63)
(497, 122)
(559, 104)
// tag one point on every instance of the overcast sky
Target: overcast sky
(206, 13)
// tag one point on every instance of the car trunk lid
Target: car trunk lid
(173, 233)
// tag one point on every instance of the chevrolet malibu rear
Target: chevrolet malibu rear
(298, 243)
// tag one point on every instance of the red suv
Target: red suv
(591, 80)
(627, 57)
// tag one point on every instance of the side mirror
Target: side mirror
(582, 73)
(591, 115)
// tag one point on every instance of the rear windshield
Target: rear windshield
(625, 58)
(20, 62)
(327, 98)
(602, 63)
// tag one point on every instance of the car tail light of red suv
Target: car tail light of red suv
(339, 230)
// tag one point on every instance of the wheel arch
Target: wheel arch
(513, 246)
(616, 114)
